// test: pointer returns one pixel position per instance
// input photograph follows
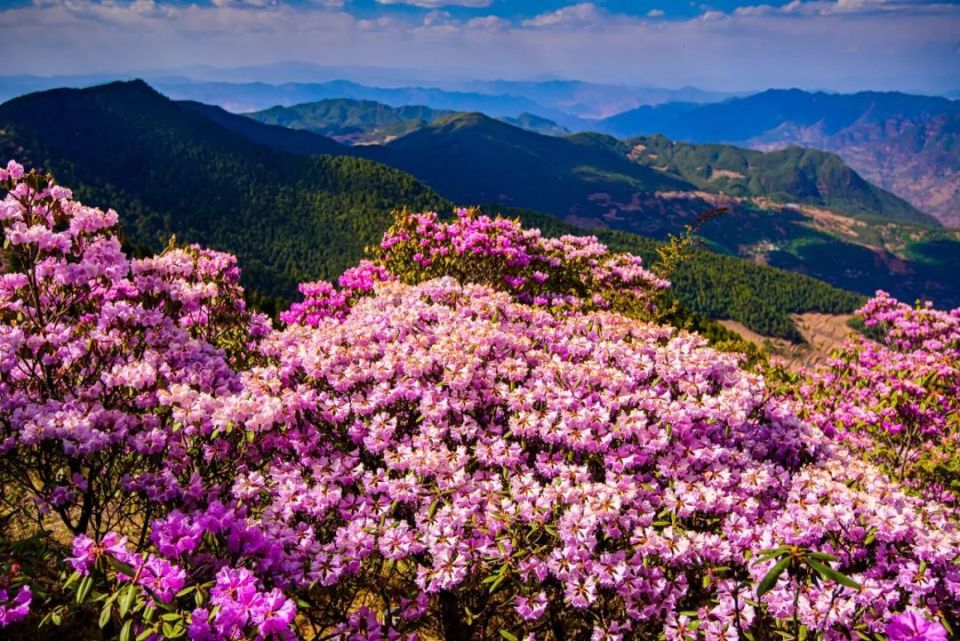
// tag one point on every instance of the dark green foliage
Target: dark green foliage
(716, 286)
(167, 171)
(471, 158)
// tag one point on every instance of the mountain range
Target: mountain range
(799, 209)
(362, 122)
(260, 191)
(907, 144)
(903, 143)
(803, 210)
(285, 84)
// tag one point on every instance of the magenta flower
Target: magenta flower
(913, 626)
(15, 609)
(85, 554)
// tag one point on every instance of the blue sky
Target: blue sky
(843, 45)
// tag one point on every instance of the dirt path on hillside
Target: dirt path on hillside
(823, 333)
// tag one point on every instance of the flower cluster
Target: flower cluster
(474, 436)
(15, 606)
(239, 606)
(323, 300)
(895, 396)
(572, 272)
(157, 577)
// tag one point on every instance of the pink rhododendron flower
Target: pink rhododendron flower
(913, 626)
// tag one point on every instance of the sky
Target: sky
(729, 45)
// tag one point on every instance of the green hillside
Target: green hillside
(355, 121)
(170, 170)
(472, 158)
(717, 286)
(794, 174)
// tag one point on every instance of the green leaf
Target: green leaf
(509, 636)
(946, 624)
(125, 630)
(185, 591)
(120, 566)
(73, 578)
(770, 580)
(84, 590)
(147, 633)
(496, 583)
(127, 599)
(828, 572)
(105, 615)
(173, 631)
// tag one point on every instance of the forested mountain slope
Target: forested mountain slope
(169, 170)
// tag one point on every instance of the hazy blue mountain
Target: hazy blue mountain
(532, 122)
(592, 100)
(257, 96)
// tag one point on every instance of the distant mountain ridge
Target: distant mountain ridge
(349, 120)
(259, 190)
(251, 89)
(907, 144)
(232, 183)
(352, 121)
(838, 228)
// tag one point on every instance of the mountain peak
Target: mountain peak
(468, 119)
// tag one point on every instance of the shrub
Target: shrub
(417, 456)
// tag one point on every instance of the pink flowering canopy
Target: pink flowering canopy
(426, 451)
(895, 398)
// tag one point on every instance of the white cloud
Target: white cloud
(262, 4)
(748, 49)
(434, 4)
(713, 16)
(574, 15)
(839, 7)
(755, 10)
(655, 13)
(489, 23)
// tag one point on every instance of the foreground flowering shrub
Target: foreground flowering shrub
(895, 397)
(421, 458)
(567, 272)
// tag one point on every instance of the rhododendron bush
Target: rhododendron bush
(896, 397)
(422, 452)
